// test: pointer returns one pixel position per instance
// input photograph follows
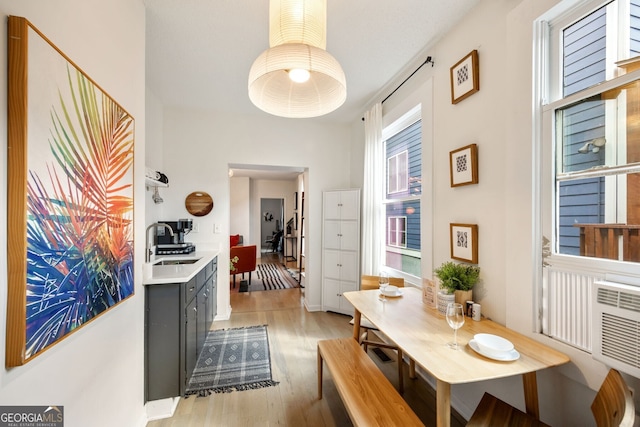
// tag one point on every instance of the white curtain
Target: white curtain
(372, 219)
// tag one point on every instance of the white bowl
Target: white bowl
(390, 290)
(493, 345)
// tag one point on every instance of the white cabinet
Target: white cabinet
(342, 205)
(340, 248)
(341, 235)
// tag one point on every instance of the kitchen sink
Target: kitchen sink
(176, 261)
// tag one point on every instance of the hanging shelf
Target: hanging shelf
(153, 179)
(153, 183)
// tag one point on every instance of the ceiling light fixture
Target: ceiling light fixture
(296, 77)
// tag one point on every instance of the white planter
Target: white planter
(443, 300)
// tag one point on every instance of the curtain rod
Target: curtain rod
(427, 61)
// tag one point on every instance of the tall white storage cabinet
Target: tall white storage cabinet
(340, 248)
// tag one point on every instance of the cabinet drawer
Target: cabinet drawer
(190, 289)
(209, 268)
(201, 277)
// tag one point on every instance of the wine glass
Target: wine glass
(383, 281)
(455, 319)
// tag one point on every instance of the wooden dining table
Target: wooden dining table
(423, 333)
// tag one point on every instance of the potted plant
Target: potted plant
(458, 279)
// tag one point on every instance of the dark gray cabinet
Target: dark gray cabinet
(177, 319)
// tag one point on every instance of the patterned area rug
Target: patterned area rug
(270, 276)
(232, 360)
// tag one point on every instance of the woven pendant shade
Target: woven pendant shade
(298, 21)
(297, 36)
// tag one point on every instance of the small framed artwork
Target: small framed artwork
(465, 77)
(464, 242)
(463, 165)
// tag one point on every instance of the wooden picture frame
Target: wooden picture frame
(465, 77)
(69, 196)
(463, 165)
(464, 242)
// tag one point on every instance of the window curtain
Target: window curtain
(372, 219)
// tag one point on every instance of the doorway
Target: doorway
(271, 224)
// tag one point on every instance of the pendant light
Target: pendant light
(296, 77)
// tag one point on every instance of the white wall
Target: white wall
(240, 222)
(97, 372)
(153, 157)
(198, 146)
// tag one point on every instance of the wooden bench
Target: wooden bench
(370, 399)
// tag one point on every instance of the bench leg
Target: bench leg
(319, 374)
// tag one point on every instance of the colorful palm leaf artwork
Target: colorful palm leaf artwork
(79, 214)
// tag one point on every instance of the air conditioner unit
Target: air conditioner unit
(616, 325)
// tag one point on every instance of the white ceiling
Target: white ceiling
(199, 52)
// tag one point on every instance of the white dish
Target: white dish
(392, 291)
(493, 344)
(504, 357)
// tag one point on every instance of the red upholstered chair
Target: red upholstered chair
(235, 240)
(246, 261)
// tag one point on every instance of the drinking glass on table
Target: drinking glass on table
(455, 319)
(383, 281)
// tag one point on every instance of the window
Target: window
(402, 193)
(397, 231)
(596, 136)
(590, 159)
(397, 173)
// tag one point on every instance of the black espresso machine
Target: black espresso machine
(166, 244)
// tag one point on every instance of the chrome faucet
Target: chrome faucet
(148, 250)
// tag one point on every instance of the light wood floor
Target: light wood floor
(293, 334)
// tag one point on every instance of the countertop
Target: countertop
(163, 274)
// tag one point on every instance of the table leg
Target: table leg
(320, 360)
(530, 384)
(443, 404)
(356, 325)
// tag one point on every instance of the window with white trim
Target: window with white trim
(398, 173)
(590, 153)
(397, 231)
(402, 194)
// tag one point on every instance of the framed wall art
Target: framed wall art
(70, 197)
(464, 242)
(463, 165)
(465, 77)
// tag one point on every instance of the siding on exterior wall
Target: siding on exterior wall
(410, 140)
(584, 48)
(635, 28)
(584, 53)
